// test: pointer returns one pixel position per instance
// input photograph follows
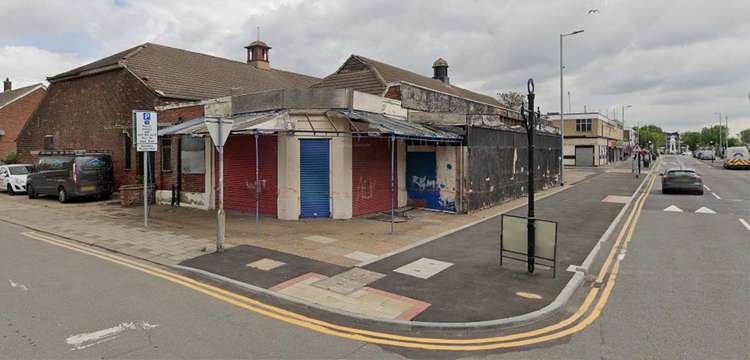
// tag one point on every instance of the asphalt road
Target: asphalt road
(683, 292)
(56, 303)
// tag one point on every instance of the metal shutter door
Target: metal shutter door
(584, 156)
(421, 180)
(371, 175)
(314, 178)
(239, 174)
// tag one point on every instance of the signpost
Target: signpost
(146, 129)
(514, 237)
(530, 127)
(219, 129)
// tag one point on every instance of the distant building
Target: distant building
(591, 139)
(16, 107)
(672, 144)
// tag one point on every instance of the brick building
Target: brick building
(16, 107)
(90, 107)
(368, 137)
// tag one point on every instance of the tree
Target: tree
(653, 134)
(745, 136)
(511, 100)
(11, 158)
(733, 141)
(692, 139)
(711, 134)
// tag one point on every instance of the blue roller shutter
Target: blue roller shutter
(314, 178)
(421, 180)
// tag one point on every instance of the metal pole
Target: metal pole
(726, 121)
(530, 127)
(721, 143)
(145, 188)
(257, 188)
(562, 124)
(220, 212)
(393, 153)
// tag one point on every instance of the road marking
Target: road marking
(673, 208)
(747, 226)
(707, 188)
(363, 335)
(716, 196)
(705, 210)
(14, 284)
(86, 340)
(529, 295)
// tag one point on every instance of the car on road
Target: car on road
(706, 155)
(737, 158)
(681, 180)
(13, 178)
(71, 174)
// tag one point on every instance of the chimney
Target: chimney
(257, 54)
(7, 85)
(440, 70)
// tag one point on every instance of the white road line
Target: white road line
(17, 285)
(707, 188)
(747, 226)
(716, 196)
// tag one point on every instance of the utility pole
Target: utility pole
(720, 143)
(562, 121)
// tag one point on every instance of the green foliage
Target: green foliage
(711, 134)
(11, 158)
(745, 136)
(733, 141)
(692, 139)
(139, 179)
(511, 99)
(653, 134)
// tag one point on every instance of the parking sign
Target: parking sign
(146, 130)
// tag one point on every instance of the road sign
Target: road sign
(146, 129)
(219, 129)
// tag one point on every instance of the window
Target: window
(583, 125)
(128, 149)
(166, 155)
(49, 142)
(192, 156)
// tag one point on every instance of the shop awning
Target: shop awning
(245, 123)
(400, 128)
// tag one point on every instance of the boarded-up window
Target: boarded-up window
(193, 156)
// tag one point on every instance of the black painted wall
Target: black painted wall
(498, 165)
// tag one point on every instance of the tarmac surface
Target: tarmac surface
(468, 283)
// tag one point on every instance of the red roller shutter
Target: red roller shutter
(239, 174)
(371, 175)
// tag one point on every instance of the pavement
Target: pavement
(455, 278)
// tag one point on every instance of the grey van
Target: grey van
(71, 174)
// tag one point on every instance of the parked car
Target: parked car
(681, 180)
(71, 174)
(13, 178)
(706, 155)
(737, 158)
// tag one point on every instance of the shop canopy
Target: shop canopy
(280, 121)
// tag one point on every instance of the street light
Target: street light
(719, 143)
(562, 125)
(623, 122)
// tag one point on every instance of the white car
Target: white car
(13, 178)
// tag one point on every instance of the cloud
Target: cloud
(675, 62)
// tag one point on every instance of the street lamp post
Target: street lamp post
(562, 124)
(623, 120)
(719, 129)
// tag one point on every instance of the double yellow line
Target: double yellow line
(566, 327)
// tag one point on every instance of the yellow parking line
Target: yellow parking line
(379, 337)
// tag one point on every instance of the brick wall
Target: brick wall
(13, 117)
(168, 177)
(92, 112)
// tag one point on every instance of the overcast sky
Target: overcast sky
(677, 62)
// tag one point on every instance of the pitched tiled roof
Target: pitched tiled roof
(182, 74)
(367, 75)
(7, 97)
